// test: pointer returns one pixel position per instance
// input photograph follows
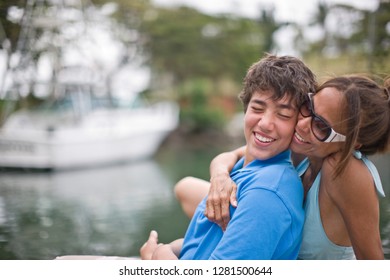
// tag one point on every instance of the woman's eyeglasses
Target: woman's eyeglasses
(320, 127)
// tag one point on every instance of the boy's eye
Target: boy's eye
(257, 109)
(288, 114)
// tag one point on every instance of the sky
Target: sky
(294, 10)
(299, 11)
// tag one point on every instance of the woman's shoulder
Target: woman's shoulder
(355, 178)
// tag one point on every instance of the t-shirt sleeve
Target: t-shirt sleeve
(259, 223)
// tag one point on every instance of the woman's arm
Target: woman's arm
(222, 188)
(355, 197)
(169, 251)
(190, 191)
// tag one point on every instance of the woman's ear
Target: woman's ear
(358, 146)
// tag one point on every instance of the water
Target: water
(104, 211)
(109, 210)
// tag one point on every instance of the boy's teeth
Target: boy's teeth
(264, 139)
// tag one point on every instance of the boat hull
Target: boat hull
(98, 139)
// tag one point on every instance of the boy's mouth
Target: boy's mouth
(263, 138)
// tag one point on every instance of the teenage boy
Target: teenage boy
(268, 221)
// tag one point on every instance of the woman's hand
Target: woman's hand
(222, 193)
(222, 189)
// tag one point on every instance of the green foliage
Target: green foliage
(189, 44)
(190, 52)
(197, 114)
(379, 23)
(362, 35)
(8, 29)
(197, 51)
(202, 118)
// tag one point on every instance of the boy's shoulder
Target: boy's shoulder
(276, 174)
(282, 180)
(269, 174)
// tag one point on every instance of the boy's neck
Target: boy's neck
(249, 159)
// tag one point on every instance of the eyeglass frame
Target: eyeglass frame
(331, 135)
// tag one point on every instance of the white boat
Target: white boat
(54, 137)
(75, 69)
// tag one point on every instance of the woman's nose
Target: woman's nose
(303, 123)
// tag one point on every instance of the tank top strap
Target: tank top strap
(374, 172)
(302, 166)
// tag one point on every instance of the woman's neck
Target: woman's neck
(315, 165)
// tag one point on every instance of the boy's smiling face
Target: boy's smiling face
(268, 125)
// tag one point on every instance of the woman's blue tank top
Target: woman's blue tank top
(315, 243)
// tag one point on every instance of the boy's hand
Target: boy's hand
(150, 246)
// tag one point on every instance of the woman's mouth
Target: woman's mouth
(300, 138)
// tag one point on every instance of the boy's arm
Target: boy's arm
(256, 229)
(149, 246)
(222, 188)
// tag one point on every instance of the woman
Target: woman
(345, 120)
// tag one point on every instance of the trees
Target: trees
(359, 36)
(378, 30)
(192, 54)
(183, 47)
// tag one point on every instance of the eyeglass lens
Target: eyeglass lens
(319, 127)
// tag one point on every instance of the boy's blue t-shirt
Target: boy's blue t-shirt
(267, 223)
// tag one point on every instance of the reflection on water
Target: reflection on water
(110, 210)
(94, 211)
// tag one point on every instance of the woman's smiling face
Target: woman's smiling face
(328, 105)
